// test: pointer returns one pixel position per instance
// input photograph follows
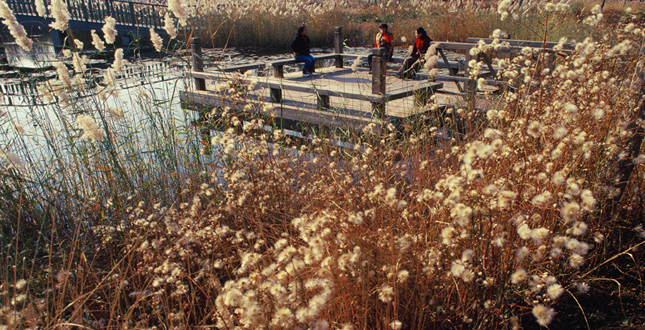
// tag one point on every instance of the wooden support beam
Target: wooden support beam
(276, 94)
(323, 102)
(451, 70)
(338, 45)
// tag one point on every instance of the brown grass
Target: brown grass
(507, 223)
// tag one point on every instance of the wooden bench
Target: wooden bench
(278, 66)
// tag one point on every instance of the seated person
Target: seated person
(383, 40)
(412, 64)
(300, 46)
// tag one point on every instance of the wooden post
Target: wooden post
(323, 102)
(338, 45)
(197, 64)
(338, 40)
(278, 71)
(276, 93)
(378, 80)
(378, 109)
(471, 93)
(421, 96)
(378, 70)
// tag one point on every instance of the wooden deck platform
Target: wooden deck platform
(335, 97)
(348, 98)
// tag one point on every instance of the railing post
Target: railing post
(148, 17)
(90, 11)
(378, 80)
(278, 71)
(197, 62)
(378, 76)
(158, 19)
(276, 93)
(108, 7)
(132, 15)
(84, 11)
(338, 45)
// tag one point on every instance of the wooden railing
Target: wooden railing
(130, 13)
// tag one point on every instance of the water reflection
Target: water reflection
(41, 56)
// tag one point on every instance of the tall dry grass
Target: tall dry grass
(273, 24)
(497, 228)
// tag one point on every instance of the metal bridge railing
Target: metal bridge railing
(130, 13)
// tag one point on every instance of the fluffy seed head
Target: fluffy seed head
(543, 314)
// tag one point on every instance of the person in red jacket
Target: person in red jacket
(412, 64)
(383, 40)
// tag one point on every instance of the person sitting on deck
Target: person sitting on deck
(412, 64)
(383, 40)
(300, 46)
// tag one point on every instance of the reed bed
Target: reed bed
(115, 216)
(272, 24)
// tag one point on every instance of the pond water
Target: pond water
(34, 132)
(145, 85)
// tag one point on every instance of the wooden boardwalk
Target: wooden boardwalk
(336, 97)
(348, 98)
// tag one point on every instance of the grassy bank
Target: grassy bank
(114, 217)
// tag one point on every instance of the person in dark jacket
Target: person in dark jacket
(300, 46)
(412, 64)
(383, 40)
